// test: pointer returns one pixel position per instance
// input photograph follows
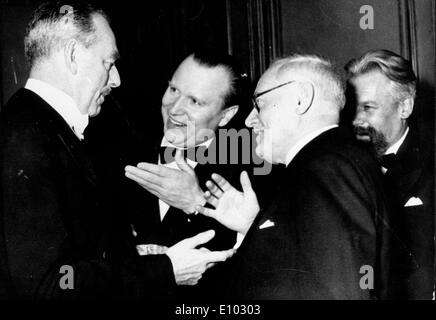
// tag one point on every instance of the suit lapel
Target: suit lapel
(58, 128)
(409, 168)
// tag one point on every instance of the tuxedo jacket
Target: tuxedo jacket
(176, 224)
(325, 234)
(54, 213)
(411, 181)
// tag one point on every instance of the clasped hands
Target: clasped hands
(179, 188)
(235, 210)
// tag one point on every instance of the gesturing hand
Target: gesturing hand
(235, 210)
(190, 263)
(178, 188)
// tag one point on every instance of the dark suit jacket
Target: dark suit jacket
(413, 176)
(54, 212)
(329, 218)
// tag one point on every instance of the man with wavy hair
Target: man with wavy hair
(385, 87)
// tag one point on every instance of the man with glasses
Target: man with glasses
(323, 234)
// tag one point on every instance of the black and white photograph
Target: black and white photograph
(212, 156)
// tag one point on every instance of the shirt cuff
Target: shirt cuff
(239, 238)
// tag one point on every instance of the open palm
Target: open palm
(234, 209)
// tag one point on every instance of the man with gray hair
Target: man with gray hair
(60, 236)
(323, 236)
(385, 85)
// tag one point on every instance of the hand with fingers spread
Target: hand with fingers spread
(235, 210)
(178, 188)
(190, 263)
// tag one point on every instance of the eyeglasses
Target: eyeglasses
(255, 105)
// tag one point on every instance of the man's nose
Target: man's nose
(178, 105)
(252, 118)
(114, 77)
(359, 118)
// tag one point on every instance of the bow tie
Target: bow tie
(167, 154)
(388, 160)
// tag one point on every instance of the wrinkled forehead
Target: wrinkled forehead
(372, 85)
(268, 80)
(105, 34)
(276, 75)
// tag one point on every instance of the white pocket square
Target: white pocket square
(267, 224)
(413, 201)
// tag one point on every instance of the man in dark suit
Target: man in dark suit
(385, 84)
(324, 233)
(60, 237)
(204, 94)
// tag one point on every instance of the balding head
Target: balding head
(320, 72)
(294, 97)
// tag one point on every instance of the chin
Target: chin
(94, 113)
(175, 136)
(264, 154)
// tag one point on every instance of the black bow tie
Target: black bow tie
(388, 160)
(167, 154)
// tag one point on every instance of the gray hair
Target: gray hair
(393, 66)
(320, 71)
(52, 24)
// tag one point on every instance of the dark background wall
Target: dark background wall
(154, 36)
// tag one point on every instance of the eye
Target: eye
(195, 101)
(172, 89)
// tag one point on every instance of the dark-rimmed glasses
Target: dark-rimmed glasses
(257, 95)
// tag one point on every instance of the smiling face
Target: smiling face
(275, 120)
(378, 117)
(97, 73)
(192, 106)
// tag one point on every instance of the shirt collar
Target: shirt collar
(304, 141)
(166, 143)
(396, 146)
(62, 103)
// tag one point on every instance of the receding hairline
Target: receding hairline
(313, 68)
(219, 67)
(115, 54)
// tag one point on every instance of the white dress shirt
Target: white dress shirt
(163, 206)
(62, 103)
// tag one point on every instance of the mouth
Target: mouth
(102, 96)
(176, 123)
(363, 137)
(259, 132)
(363, 134)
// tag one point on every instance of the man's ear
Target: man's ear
(229, 113)
(305, 96)
(70, 56)
(406, 108)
